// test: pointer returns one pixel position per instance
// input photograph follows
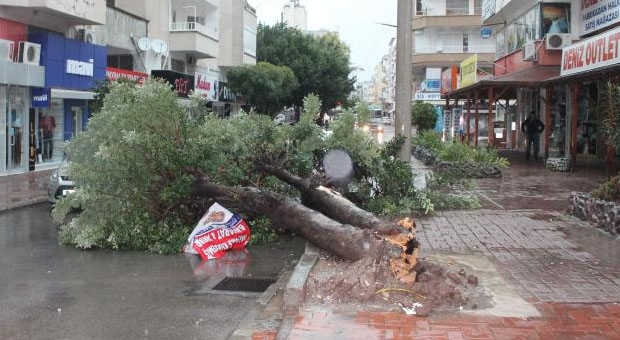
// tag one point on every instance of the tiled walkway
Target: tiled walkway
(566, 269)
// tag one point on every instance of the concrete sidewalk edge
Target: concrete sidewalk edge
(295, 292)
(293, 283)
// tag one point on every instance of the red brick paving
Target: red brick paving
(558, 322)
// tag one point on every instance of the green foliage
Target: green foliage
(448, 190)
(459, 152)
(608, 191)
(321, 64)
(363, 113)
(131, 167)
(423, 116)
(265, 86)
(262, 231)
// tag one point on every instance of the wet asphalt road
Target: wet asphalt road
(50, 291)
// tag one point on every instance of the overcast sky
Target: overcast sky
(354, 20)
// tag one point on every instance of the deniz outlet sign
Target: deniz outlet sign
(40, 97)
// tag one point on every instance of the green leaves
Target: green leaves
(320, 64)
(423, 116)
(265, 86)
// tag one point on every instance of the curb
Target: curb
(295, 292)
(281, 310)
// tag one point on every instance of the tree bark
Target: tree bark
(333, 204)
(340, 239)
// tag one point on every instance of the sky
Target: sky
(354, 20)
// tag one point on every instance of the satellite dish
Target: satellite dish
(144, 43)
(159, 46)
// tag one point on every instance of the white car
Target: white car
(60, 185)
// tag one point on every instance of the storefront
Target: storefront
(587, 67)
(18, 74)
(73, 69)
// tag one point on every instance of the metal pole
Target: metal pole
(403, 76)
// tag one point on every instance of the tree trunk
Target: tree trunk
(333, 204)
(340, 239)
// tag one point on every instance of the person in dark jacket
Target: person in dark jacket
(532, 127)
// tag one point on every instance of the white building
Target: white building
(446, 32)
(295, 15)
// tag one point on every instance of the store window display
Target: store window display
(48, 125)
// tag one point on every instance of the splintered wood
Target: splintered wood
(403, 266)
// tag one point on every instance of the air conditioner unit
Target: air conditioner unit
(557, 41)
(29, 53)
(6, 49)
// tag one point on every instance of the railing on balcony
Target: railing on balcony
(192, 26)
(455, 49)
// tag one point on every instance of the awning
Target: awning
(532, 77)
(72, 94)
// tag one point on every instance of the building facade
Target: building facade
(295, 15)
(555, 59)
(53, 54)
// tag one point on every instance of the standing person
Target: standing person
(532, 127)
(48, 124)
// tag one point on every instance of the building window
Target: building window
(123, 61)
(419, 9)
(110, 3)
(457, 7)
(465, 43)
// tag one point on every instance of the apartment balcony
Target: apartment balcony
(192, 40)
(423, 22)
(194, 27)
(44, 13)
(423, 60)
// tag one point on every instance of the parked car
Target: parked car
(60, 185)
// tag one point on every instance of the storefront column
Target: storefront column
(491, 114)
(548, 96)
(468, 119)
(477, 104)
(574, 115)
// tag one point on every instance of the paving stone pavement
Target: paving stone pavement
(569, 271)
(531, 251)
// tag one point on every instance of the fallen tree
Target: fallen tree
(345, 240)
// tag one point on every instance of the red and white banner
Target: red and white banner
(592, 53)
(218, 231)
(114, 73)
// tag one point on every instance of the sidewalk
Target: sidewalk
(20, 190)
(552, 276)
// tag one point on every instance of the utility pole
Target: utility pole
(404, 46)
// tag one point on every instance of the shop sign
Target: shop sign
(485, 32)
(224, 94)
(449, 79)
(81, 68)
(182, 84)
(205, 86)
(424, 96)
(40, 97)
(598, 14)
(114, 74)
(593, 53)
(469, 68)
(529, 50)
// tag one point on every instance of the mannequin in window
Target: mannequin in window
(48, 124)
